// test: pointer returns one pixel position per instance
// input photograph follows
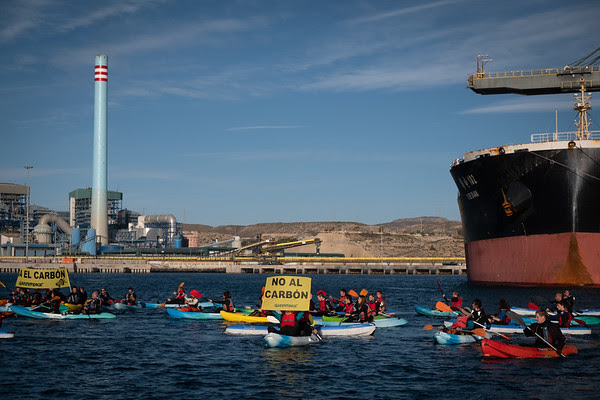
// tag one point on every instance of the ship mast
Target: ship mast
(582, 105)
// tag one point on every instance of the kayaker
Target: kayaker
(293, 324)
(227, 302)
(73, 297)
(569, 300)
(501, 318)
(478, 314)
(360, 310)
(563, 316)
(192, 304)
(324, 307)
(455, 301)
(340, 304)
(82, 295)
(373, 305)
(129, 297)
(348, 306)
(464, 320)
(35, 298)
(381, 301)
(545, 332)
(105, 297)
(56, 300)
(558, 297)
(93, 305)
(179, 296)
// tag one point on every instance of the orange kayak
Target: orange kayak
(493, 348)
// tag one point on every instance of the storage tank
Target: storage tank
(178, 242)
(75, 237)
(89, 245)
(43, 233)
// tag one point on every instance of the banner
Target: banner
(34, 278)
(287, 293)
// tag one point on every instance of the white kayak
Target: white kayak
(586, 312)
(277, 340)
(7, 334)
(344, 330)
(514, 328)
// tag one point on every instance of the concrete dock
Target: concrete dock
(137, 265)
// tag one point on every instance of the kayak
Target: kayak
(237, 317)
(454, 336)
(27, 312)
(192, 314)
(277, 340)
(346, 330)
(515, 328)
(493, 348)
(204, 304)
(380, 321)
(586, 312)
(119, 307)
(7, 334)
(433, 312)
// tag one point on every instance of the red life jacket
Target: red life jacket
(288, 320)
(322, 305)
(349, 307)
(228, 306)
(305, 317)
(372, 306)
(460, 322)
(456, 304)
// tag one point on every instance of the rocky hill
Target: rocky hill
(411, 237)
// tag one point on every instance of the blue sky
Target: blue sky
(240, 112)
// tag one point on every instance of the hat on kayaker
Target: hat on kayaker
(322, 293)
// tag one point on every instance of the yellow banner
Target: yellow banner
(287, 293)
(35, 278)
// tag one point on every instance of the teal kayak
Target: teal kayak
(204, 304)
(433, 312)
(277, 340)
(27, 312)
(453, 336)
(192, 314)
(379, 321)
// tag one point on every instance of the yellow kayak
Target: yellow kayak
(237, 317)
(73, 307)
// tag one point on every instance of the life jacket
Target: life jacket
(564, 319)
(305, 317)
(460, 322)
(372, 307)
(456, 302)
(323, 305)
(348, 307)
(228, 305)
(288, 320)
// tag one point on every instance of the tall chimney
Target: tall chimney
(99, 220)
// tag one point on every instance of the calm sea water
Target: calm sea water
(148, 355)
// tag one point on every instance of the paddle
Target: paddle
(428, 327)
(196, 293)
(470, 314)
(364, 292)
(440, 305)
(516, 317)
(2, 284)
(440, 286)
(179, 287)
(352, 293)
(533, 306)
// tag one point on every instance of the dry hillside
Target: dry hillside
(416, 237)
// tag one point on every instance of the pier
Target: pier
(265, 265)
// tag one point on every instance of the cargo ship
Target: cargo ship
(531, 212)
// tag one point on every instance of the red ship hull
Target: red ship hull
(553, 259)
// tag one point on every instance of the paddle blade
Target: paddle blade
(443, 307)
(428, 327)
(352, 293)
(2, 284)
(364, 292)
(533, 306)
(538, 300)
(196, 293)
(516, 317)
(479, 332)
(181, 284)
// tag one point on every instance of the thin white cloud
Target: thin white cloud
(524, 105)
(94, 16)
(401, 12)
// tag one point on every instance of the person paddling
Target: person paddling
(381, 302)
(569, 300)
(502, 317)
(324, 305)
(129, 298)
(73, 296)
(93, 305)
(105, 297)
(478, 314)
(563, 316)
(340, 304)
(360, 310)
(227, 302)
(178, 296)
(455, 301)
(547, 334)
(82, 295)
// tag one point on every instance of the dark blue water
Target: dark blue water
(146, 354)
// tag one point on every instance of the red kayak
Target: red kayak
(493, 348)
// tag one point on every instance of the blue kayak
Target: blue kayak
(7, 334)
(452, 337)
(433, 312)
(27, 312)
(277, 340)
(192, 314)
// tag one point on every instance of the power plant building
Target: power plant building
(80, 207)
